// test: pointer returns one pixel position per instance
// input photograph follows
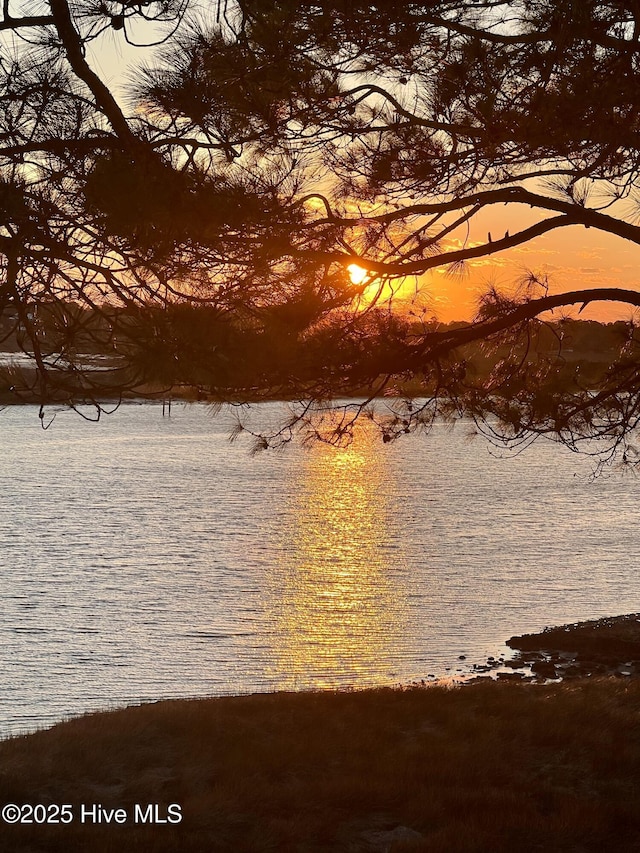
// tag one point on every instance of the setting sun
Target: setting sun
(357, 274)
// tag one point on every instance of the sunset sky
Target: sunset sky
(571, 258)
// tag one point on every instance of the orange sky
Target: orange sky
(572, 258)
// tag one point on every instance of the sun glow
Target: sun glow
(373, 290)
(357, 274)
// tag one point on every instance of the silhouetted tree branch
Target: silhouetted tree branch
(265, 149)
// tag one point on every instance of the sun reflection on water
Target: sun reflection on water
(338, 598)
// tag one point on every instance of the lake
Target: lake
(145, 557)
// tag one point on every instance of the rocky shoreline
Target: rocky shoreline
(599, 647)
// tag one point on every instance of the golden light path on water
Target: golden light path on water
(338, 606)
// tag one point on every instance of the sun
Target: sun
(356, 273)
(371, 290)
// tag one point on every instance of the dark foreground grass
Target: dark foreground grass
(488, 767)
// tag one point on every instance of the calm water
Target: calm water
(145, 557)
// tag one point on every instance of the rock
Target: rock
(592, 666)
(543, 668)
(608, 660)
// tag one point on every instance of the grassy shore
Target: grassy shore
(488, 767)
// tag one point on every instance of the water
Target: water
(145, 557)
